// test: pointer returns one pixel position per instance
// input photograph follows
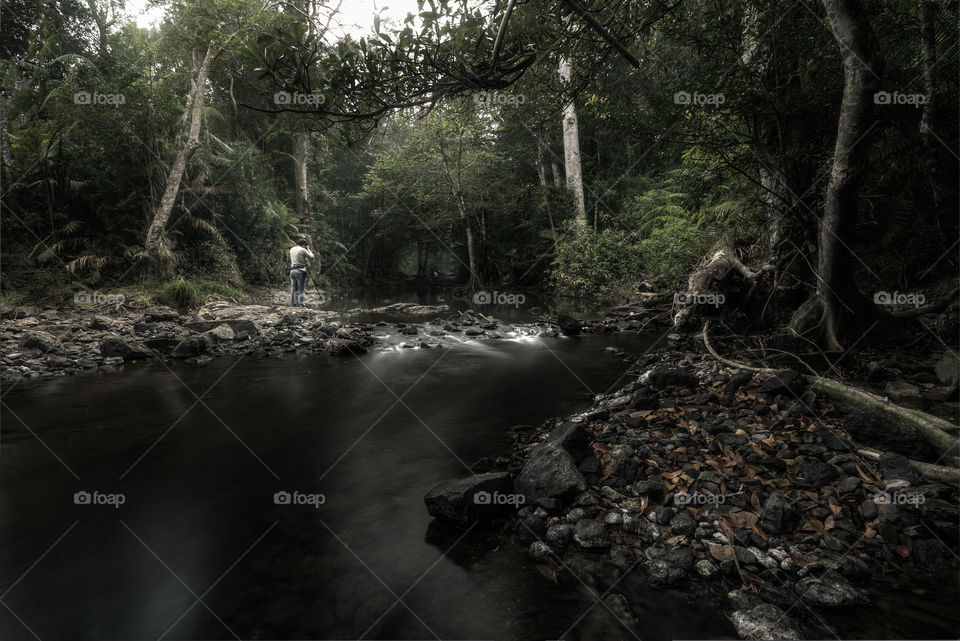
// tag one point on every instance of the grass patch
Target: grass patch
(180, 292)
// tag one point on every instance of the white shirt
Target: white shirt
(298, 255)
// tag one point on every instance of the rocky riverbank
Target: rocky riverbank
(55, 342)
(744, 492)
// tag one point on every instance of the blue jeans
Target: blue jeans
(298, 284)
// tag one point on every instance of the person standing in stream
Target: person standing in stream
(299, 254)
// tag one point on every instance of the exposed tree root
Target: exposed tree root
(937, 432)
(942, 473)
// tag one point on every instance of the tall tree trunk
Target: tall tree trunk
(192, 114)
(301, 154)
(545, 190)
(453, 180)
(571, 150)
(928, 160)
(5, 156)
(838, 301)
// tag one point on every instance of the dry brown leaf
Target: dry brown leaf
(676, 539)
(721, 552)
(741, 519)
(641, 413)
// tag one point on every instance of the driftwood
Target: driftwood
(937, 432)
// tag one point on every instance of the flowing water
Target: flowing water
(199, 549)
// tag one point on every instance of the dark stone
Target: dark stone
(683, 523)
(464, 501)
(568, 325)
(192, 346)
(345, 347)
(789, 382)
(43, 341)
(816, 472)
(869, 510)
(573, 438)
(737, 381)
(550, 472)
(161, 313)
(590, 534)
(558, 536)
(115, 346)
(834, 441)
(241, 328)
(661, 377)
(777, 516)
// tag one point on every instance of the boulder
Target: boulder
(242, 328)
(550, 472)
(473, 499)
(777, 516)
(196, 345)
(568, 325)
(947, 369)
(661, 377)
(766, 621)
(590, 534)
(161, 313)
(113, 346)
(573, 438)
(222, 333)
(43, 341)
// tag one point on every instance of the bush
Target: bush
(193, 293)
(673, 248)
(596, 264)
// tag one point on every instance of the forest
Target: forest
(720, 238)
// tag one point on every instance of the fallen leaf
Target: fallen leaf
(676, 539)
(721, 552)
(641, 413)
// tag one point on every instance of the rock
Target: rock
(558, 536)
(590, 534)
(100, 322)
(683, 523)
(737, 381)
(777, 516)
(539, 551)
(113, 346)
(462, 502)
(195, 345)
(834, 441)
(222, 333)
(573, 438)
(830, 590)
(242, 328)
(341, 347)
(661, 377)
(947, 369)
(568, 325)
(550, 472)
(161, 313)
(706, 569)
(816, 472)
(874, 371)
(45, 342)
(901, 391)
(789, 382)
(766, 621)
